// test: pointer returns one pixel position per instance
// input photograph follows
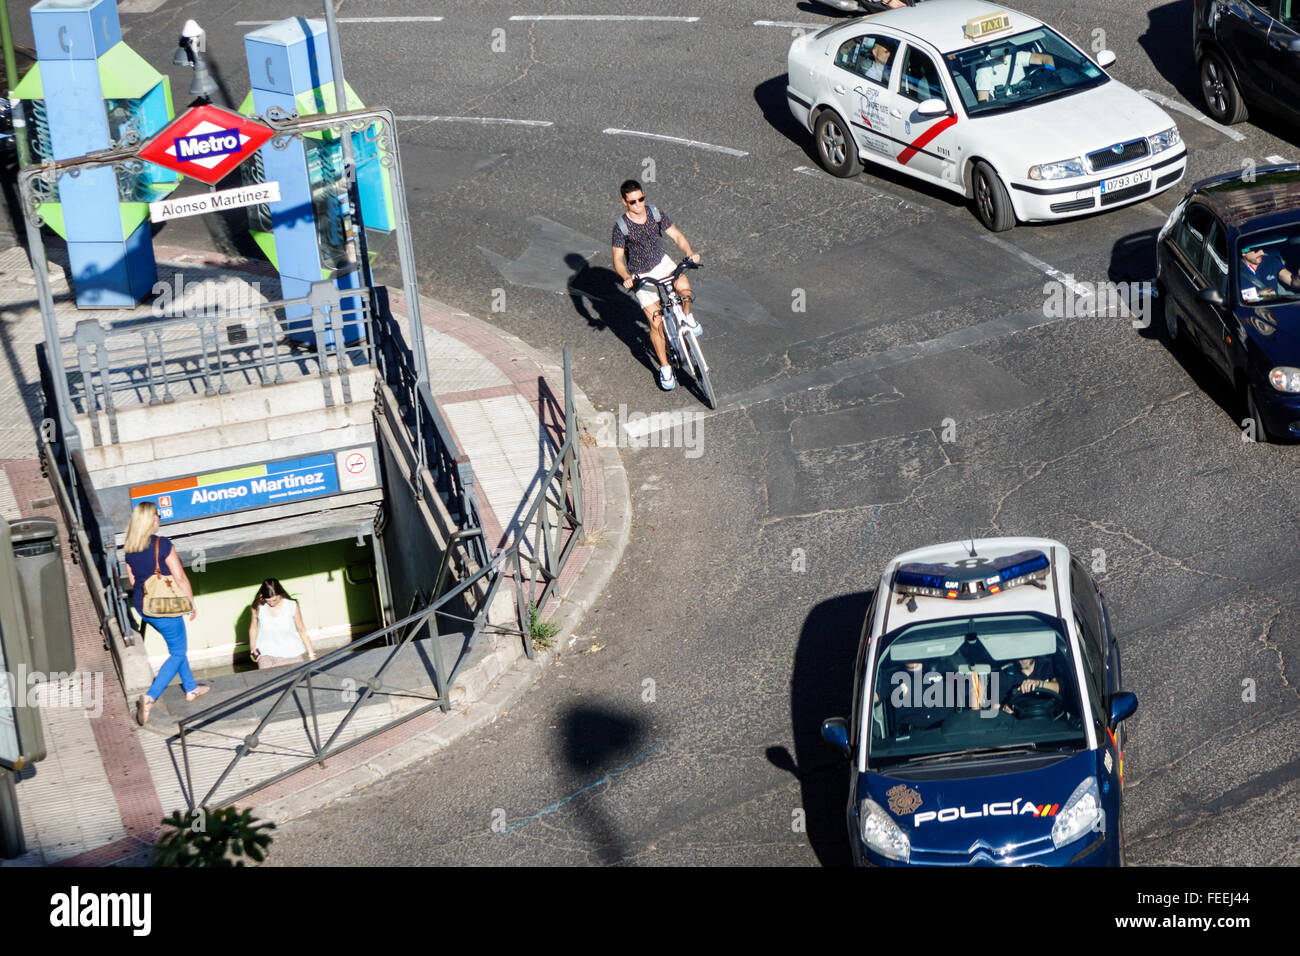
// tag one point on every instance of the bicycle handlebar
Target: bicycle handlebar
(681, 267)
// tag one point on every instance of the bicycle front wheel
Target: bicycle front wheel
(701, 370)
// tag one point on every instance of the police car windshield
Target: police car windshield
(1268, 267)
(972, 687)
(1012, 72)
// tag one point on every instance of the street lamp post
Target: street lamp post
(189, 52)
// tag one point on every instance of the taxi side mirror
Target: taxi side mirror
(1105, 58)
(836, 733)
(933, 107)
(1122, 706)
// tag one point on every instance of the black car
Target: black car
(1248, 52)
(1228, 279)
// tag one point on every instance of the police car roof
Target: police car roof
(1022, 598)
(940, 22)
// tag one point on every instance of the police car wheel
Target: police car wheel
(992, 203)
(1222, 97)
(12, 844)
(835, 146)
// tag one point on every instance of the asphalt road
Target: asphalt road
(682, 728)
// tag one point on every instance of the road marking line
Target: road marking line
(484, 120)
(608, 778)
(139, 6)
(788, 23)
(1194, 114)
(604, 16)
(1039, 264)
(262, 23)
(874, 190)
(1281, 160)
(614, 131)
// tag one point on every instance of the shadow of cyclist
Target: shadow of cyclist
(599, 297)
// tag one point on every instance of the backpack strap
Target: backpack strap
(622, 224)
(655, 216)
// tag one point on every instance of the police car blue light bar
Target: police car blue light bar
(982, 580)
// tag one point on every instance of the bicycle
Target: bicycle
(683, 347)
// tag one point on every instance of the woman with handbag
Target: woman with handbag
(276, 633)
(162, 600)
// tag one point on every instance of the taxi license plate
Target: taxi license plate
(1123, 182)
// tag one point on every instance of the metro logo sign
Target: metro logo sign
(206, 142)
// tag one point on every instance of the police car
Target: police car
(987, 712)
(986, 102)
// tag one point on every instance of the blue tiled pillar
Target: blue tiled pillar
(110, 267)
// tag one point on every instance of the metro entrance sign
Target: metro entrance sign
(206, 142)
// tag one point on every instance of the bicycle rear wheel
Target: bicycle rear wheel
(701, 370)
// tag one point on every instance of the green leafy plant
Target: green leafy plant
(206, 837)
(541, 630)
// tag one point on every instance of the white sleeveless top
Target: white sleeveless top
(277, 635)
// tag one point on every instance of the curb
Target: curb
(510, 686)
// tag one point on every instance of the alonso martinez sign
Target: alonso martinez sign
(257, 486)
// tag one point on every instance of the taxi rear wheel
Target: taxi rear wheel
(992, 203)
(835, 146)
(1222, 97)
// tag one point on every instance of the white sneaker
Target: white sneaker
(692, 326)
(666, 380)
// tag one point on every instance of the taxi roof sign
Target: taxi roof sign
(977, 27)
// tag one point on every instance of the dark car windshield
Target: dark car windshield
(1267, 266)
(1013, 72)
(951, 690)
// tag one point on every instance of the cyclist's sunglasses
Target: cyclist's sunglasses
(635, 202)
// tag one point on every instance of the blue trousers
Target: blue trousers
(172, 630)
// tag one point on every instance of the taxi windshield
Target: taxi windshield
(1267, 267)
(1012, 72)
(969, 686)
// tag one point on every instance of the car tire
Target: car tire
(12, 844)
(1173, 329)
(1222, 96)
(1253, 415)
(836, 148)
(992, 202)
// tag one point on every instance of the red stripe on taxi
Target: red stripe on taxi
(923, 140)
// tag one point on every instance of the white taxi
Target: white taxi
(987, 102)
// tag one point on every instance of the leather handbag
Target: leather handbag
(162, 598)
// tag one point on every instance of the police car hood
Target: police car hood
(1001, 809)
(1070, 126)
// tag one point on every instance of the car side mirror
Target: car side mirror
(1211, 295)
(1294, 46)
(1105, 58)
(1122, 706)
(933, 107)
(836, 732)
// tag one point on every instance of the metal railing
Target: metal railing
(153, 360)
(546, 536)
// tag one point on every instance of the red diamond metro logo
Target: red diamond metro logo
(206, 142)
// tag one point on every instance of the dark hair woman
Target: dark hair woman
(276, 633)
(146, 551)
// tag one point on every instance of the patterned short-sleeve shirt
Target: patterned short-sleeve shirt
(643, 249)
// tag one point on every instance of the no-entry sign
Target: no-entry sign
(206, 142)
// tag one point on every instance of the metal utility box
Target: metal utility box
(44, 594)
(21, 739)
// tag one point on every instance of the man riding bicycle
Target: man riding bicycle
(638, 251)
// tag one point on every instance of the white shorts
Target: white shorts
(647, 296)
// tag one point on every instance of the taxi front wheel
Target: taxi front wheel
(992, 204)
(835, 146)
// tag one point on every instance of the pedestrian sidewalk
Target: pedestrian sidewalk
(100, 794)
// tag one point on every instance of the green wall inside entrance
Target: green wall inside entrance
(333, 584)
